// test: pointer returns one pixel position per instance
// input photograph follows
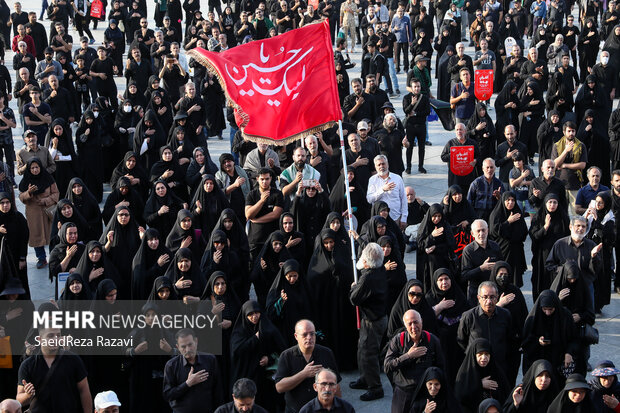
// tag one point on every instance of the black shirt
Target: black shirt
(56, 43)
(416, 212)
(69, 370)
(104, 66)
(565, 249)
(202, 397)
(291, 362)
(370, 293)
(259, 232)
(230, 408)
(471, 260)
(498, 329)
(506, 164)
(339, 406)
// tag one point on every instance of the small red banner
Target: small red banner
(483, 86)
(460, 160)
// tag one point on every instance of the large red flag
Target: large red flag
(282, 88)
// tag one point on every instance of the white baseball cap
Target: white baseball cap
(106, 399)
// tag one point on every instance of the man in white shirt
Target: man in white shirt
(388, 187)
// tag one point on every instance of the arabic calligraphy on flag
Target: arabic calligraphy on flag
(460, 159)
(281, 88)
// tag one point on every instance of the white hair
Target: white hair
(372, 256)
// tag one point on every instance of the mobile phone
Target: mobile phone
(547, 341)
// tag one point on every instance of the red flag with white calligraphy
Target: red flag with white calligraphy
(483, 84)
(281, 88)
(461, 158)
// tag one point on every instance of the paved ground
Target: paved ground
(431, 187)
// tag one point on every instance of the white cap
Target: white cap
(106, 399)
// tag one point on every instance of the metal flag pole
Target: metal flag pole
(349, 212)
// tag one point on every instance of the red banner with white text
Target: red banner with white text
(483, 85)
(282, 88)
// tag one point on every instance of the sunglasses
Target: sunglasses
(414, 294)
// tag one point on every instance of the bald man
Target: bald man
(10, 406)
(409, 354)
(299, 365)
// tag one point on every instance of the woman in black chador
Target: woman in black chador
(507, 227)
(479, 377)
(536, 391)
(330, 274)
(254, 343)
(288, 300)
(548, 225)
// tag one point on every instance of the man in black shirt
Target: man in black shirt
(489, 320)
(22, 91)
(285, 19)
(326, 401)
(194, 106)
(159, 49)
(505, 152)
(299, 365)
(192, 380)
(478, 259)
(60, 100)
(38, 33)
(139, 70)
(243, 28)
(17, 17)
(360, 159)
(243, 393)
(409, 354)
(263, 207)
(57, 378)
(369, 293)
(416, 206)
(103, 70)
(457, 62)
(62, 43)
(359, 105)
(545, 184)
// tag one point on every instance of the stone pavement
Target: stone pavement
(431, 187)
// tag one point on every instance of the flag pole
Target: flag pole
(347, 196)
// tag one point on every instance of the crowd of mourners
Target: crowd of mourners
(259, 237)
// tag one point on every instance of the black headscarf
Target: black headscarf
(67, 296)
(557, 327)
(446, 402)
(298, 306)
(166, 221)
(87, 205)
(435, 295)
(264, 278)
(562, 403)
(85, 266)
(157, 140)
(59, 218)
(99, 304)
(59, 253)
(246, 349)
(579, 300)
(456, 213)
(402, 305)
(558, 227)
(178, 234)
(486, 404)
(137, 171)
(136, 204)
(297, 251)
(160, 283)
(42, 181)
(194, 275)
(211, 203)
(145, 269)
(468, 390)
(232, 305)
(196, 171)
(124, 246)
(534, 400)
(427, 227)
(237, 236)
(65, 143)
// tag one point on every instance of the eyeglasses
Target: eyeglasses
(488, 297)
(327, 384)
(414, 294)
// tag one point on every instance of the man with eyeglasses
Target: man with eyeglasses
(300, 364)
(488, 320)
(326, 400)
(409, 354)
